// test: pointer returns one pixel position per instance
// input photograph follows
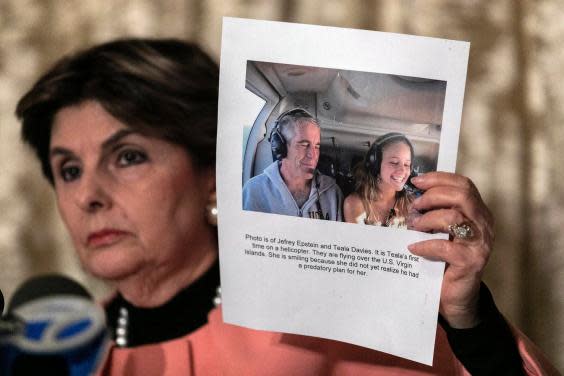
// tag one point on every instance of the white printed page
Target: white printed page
(284, 269)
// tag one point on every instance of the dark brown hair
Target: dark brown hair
(164, 88)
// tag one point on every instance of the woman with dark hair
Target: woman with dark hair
(380, 197)
(125, 132)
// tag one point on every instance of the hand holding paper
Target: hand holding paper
(364, 282)
(453, 199)
(283, 271)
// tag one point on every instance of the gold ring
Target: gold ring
(461, 231)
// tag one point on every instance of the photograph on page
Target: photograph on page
(320, 130)
(376, 131)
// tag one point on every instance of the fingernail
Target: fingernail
(418, 179)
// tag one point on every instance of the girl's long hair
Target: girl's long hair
(366, 183)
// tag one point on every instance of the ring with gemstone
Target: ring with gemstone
(461, 231)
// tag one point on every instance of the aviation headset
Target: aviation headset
(279, 146)
(278, 143)
(373, 160)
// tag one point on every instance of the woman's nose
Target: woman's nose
(404, 169)
(92, 194)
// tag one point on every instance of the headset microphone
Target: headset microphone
(410, 187)
(55, 328)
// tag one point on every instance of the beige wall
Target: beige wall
(512, 141)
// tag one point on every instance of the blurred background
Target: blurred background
(511, 145)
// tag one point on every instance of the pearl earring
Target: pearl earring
(211, 210)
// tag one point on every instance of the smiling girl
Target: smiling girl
(380, 198)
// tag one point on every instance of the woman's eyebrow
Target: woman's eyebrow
(60, 151)
(115, 138)
(106, 145)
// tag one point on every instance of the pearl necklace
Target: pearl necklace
(121, 327)
(123, 320)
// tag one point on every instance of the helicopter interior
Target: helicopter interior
(353, 108)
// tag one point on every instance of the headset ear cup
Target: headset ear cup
(371, 162)
(278, 145)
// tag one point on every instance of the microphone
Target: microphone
(410, 187)
(56, 327)
(8, 325)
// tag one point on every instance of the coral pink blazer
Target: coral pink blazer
(222, 349)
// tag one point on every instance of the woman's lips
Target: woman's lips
(398, 182)
(104, 238)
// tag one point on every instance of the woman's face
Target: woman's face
(132, 203)
(396, 166)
